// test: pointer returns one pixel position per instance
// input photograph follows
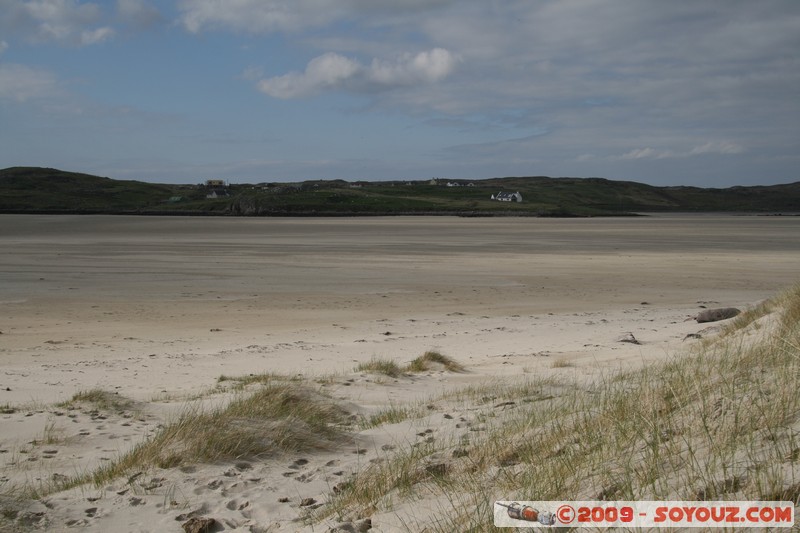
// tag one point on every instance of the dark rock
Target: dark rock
(628, 337)
(715, 315)
(199, 525)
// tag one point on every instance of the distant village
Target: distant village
(217, 188)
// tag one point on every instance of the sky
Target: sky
(680, 92)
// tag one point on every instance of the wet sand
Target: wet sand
(120, 291)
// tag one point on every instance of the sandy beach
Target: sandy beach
(156, 309)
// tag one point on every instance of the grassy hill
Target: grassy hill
(41, 190)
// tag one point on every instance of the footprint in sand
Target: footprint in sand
(305, 478)
(237, 505)
(243, 465)
(299, 463)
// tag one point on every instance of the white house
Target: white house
(507, 197)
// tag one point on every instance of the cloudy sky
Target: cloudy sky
(690, 92)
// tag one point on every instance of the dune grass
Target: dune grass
(99, 399)
(393, 414)
(277, 417)
(719, 422)
(385, 367)
(281, 416)
(433, 359)
(430, 360)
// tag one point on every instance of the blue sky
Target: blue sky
(679, 92)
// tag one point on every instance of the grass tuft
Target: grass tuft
(99, 399)
(380, 366)
(432, 359)
(393, 414)
(278, 417)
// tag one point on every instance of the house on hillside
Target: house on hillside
(216, 189)
(507, 197)
(217, 193)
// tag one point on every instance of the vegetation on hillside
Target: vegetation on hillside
(40, 190)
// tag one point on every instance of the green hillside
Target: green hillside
(41, 190)
(45, 189)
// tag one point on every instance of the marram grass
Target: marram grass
(430, 360)
(719, 422)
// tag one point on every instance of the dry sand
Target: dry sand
(157, 309)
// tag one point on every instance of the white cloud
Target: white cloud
(647, 153)
(430, 66)
(21, 83)
(335, 71)
(717, 148)
(323, 72)
(3, 47)
(96, 36)
(263, 16)
(258, 16)
(61, 21)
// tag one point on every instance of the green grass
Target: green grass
(31, 189)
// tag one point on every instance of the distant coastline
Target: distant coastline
(34, 190)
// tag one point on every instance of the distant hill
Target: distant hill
(49, 190)
(44, 190)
